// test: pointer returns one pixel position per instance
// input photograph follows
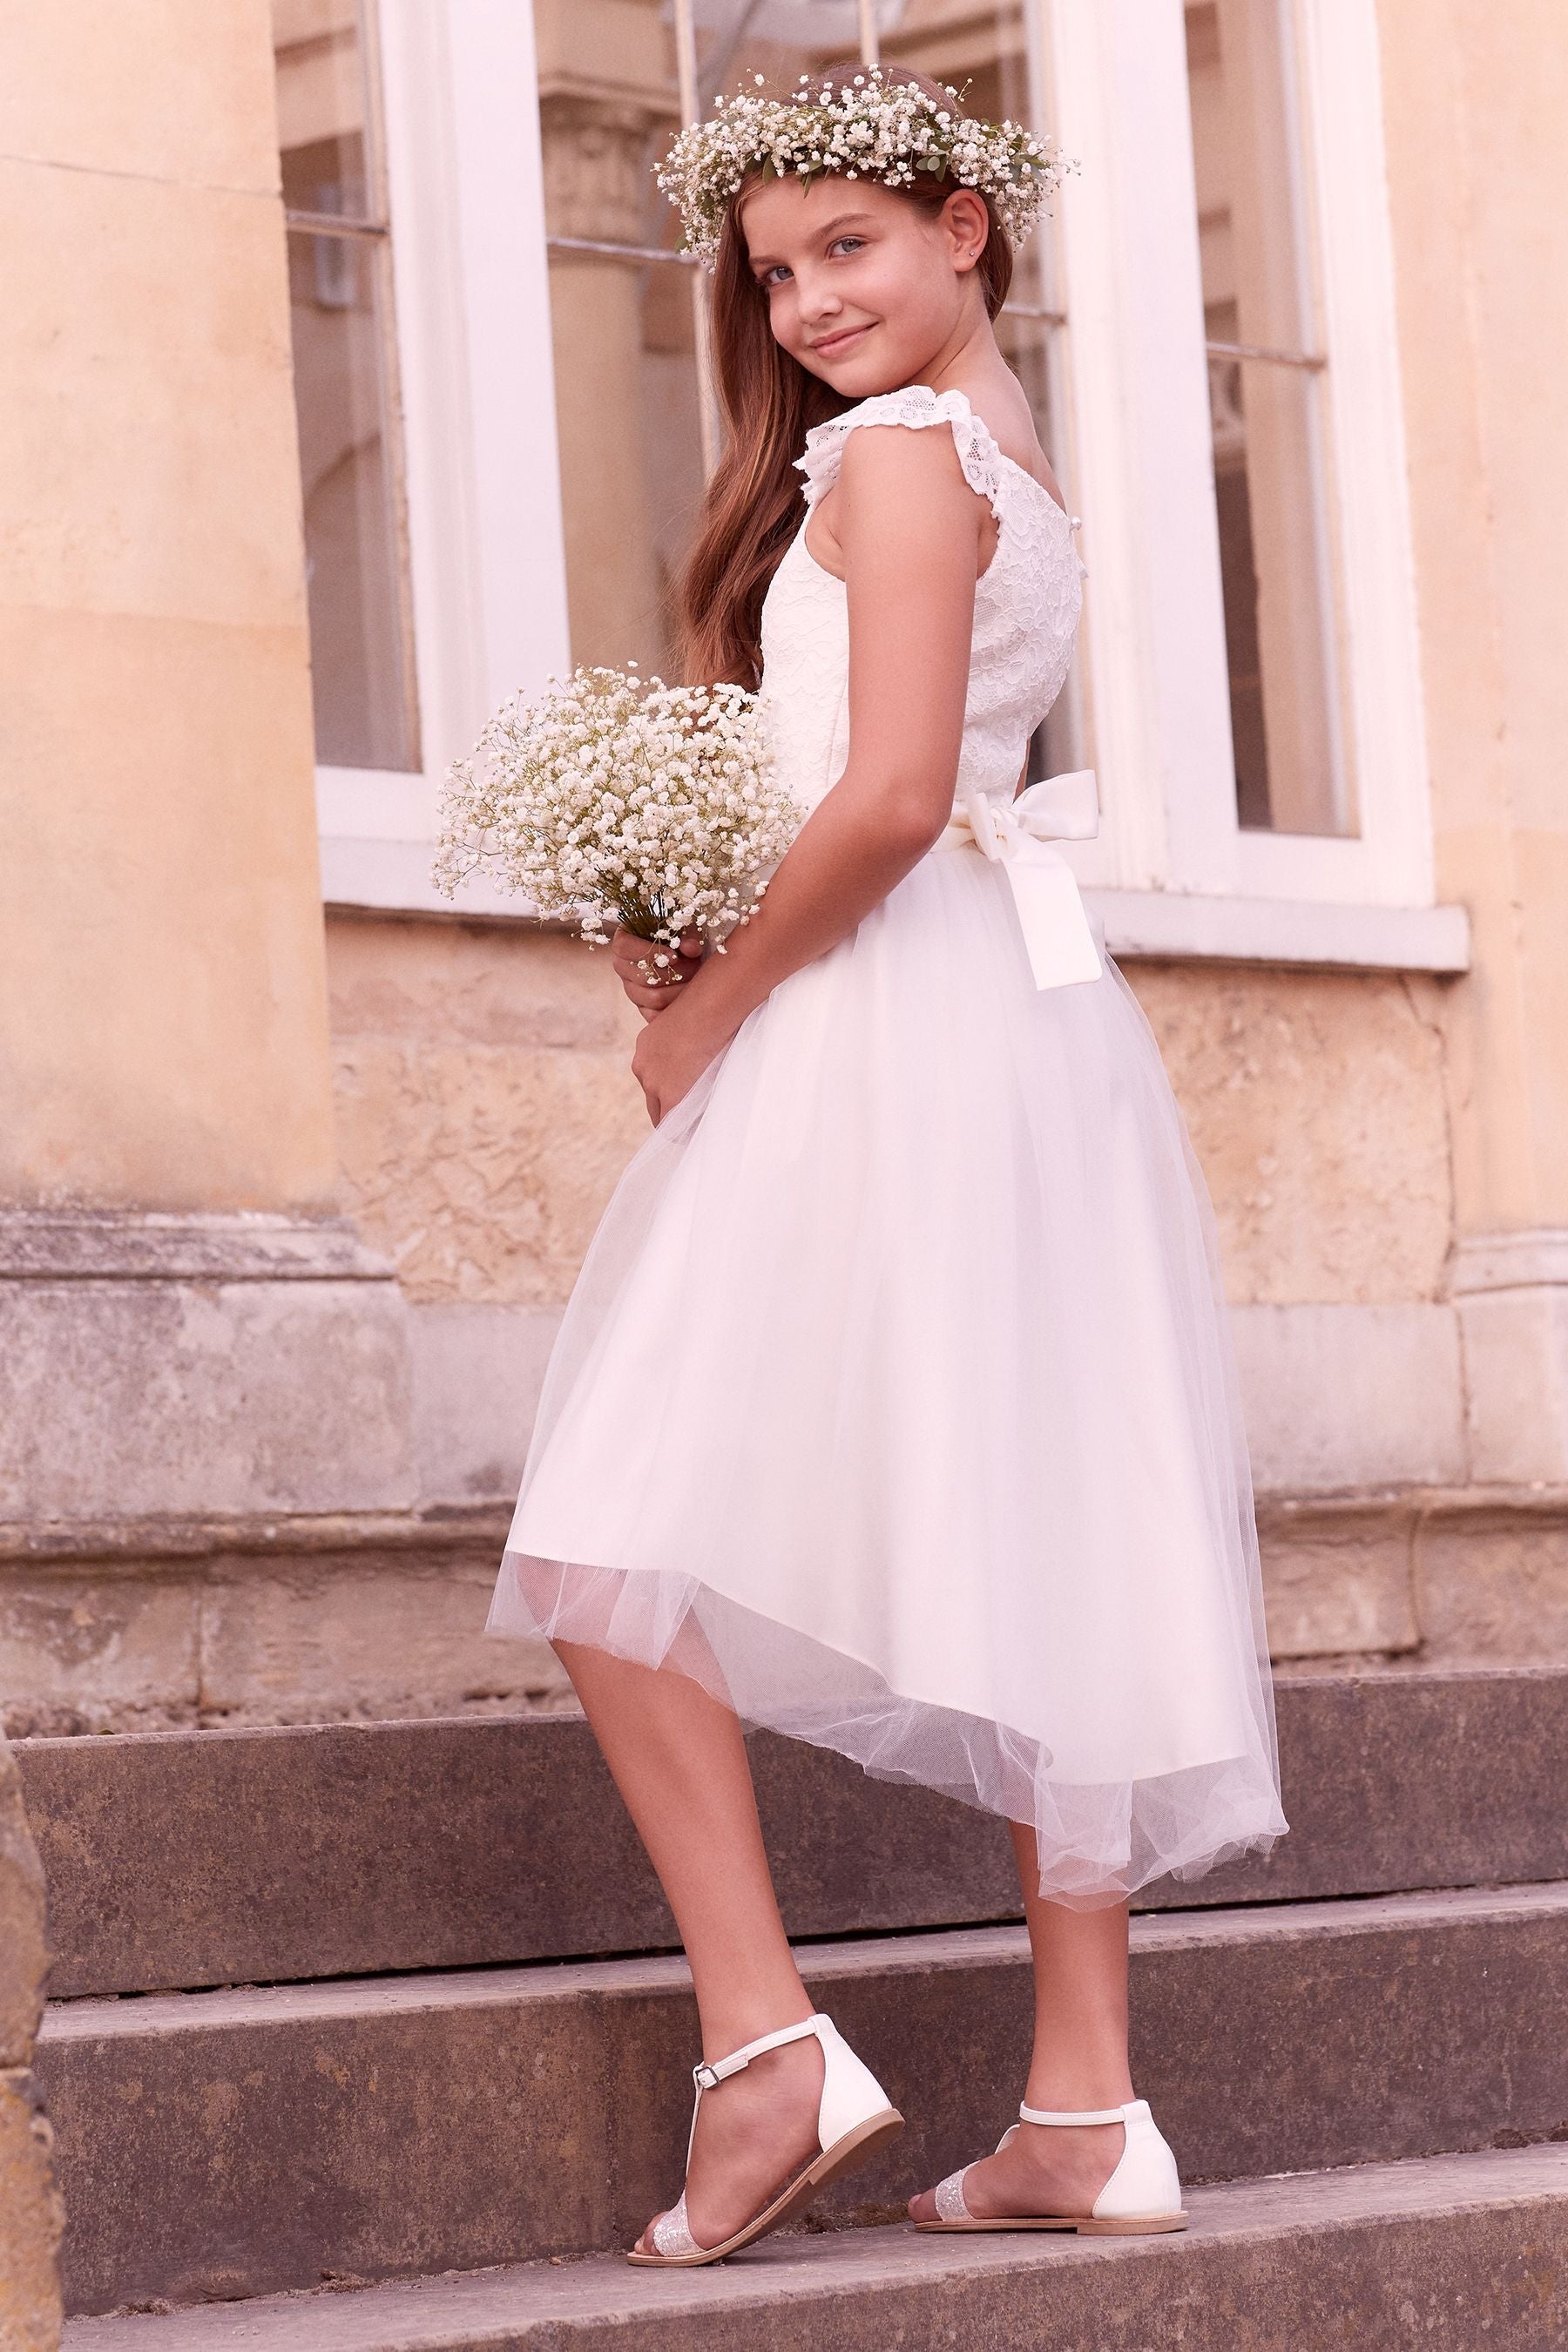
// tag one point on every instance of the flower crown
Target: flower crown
(887, 130)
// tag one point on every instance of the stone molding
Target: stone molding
(1533, 1258)
(139, 1542)
(482, 1527)
(156, 1246)
(152, 1626)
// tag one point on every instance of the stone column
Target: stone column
(186, 1326)
(602, 95)
(1474, 107)
(595, 158)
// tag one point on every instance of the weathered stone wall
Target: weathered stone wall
(1315, 1103)
(486, 1106)
(29, 2205)
(485, 1102)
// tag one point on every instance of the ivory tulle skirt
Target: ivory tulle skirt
(894, 1404)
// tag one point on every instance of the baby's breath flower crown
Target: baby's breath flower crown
(869, 127)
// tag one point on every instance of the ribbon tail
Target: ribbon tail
(1053, 917)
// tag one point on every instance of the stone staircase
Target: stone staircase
(369, 2039)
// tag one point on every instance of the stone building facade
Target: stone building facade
(309, 462)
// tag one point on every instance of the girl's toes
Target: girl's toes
(924, 2207)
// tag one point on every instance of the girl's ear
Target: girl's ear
(968, 224)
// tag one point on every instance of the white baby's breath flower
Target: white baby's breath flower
(544, 802)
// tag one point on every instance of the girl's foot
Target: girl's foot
(755, 2130)
(1043, 2169)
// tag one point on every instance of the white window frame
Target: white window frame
(1137, 367)
(1174, 873)
(470, 290)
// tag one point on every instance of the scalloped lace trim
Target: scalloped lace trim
(914, 405)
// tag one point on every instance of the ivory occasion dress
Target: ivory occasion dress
(894, 1402)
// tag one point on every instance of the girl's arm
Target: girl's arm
(909, 527)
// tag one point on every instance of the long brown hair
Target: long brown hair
(767, 403)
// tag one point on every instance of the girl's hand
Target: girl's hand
(652, 986)
(671, 1055)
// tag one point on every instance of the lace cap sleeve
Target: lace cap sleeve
(915, 404)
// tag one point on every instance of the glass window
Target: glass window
(1266, 380)
(622, 325)
(991, 56)
(626, 313)
(345, 385)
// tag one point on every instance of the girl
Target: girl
(950, 1474)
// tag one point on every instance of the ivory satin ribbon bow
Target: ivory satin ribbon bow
(1018, 835)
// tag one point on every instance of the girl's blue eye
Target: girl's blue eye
(848, 237)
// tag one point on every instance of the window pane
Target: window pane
(622, 334)
(623, 330)
(344, 390)
(984, 54)
(1270, 456)
(320, 60)
(627, 389)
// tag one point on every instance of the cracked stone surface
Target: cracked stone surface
(30, 2213)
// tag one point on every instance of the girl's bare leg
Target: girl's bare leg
(1079, 2059)
(680, 1762)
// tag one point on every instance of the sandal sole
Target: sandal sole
(846, 2154)
(1153, 2225)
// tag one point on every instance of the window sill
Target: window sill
(393, 877)
(1148, 926)
(364, 877)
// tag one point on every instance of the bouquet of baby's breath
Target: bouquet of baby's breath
(617, 797)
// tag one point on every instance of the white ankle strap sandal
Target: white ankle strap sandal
(854, 2121)
(1143, 2196)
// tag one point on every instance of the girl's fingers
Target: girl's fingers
(626, 947)
(649, 984)
(640, 966)
(654, 993)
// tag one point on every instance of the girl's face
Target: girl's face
(863, 288)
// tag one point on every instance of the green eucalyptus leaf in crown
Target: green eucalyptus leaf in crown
(871, 127)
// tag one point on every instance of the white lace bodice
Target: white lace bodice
(1026, 606)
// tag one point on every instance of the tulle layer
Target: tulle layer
(1098, 1841)
(894, 1404)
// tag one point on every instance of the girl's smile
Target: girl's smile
(829, 346)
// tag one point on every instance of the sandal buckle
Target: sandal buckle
(706, 2077)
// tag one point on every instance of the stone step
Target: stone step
(1451, 2250)
(356, 1849)
(222, 2144)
